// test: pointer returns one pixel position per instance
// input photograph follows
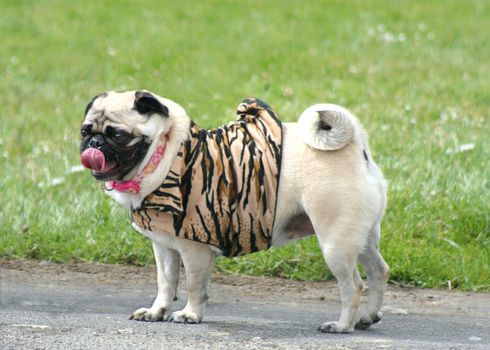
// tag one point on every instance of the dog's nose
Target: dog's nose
(95, 142)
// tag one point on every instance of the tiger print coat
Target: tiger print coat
(222, 187)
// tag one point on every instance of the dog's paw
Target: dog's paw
(334, 327)
(149, 315)
(184, 316)
(367, 321)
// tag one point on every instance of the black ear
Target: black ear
(91, 103)
(146, 103)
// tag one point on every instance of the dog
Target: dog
(236, 189)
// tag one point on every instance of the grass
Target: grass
(415, 72)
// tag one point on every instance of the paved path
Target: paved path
(48, 306)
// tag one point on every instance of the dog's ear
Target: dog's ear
(146, 103)
(91, 103)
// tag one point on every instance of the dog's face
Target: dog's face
(117, 132)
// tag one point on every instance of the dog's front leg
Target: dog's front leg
(168, 272)
(198, 261)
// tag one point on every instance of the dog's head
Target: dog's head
(119, 130)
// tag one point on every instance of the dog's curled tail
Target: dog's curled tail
(327, 127)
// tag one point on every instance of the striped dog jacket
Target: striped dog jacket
(222, 187)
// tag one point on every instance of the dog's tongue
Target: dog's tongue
(93, 159)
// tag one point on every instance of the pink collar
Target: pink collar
(133, 186)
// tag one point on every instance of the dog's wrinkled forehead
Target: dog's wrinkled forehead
(127, 110)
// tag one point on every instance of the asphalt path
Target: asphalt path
(86, 306)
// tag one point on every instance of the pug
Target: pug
(240, 188)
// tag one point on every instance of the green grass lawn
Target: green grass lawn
(416, 73)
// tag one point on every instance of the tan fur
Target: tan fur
(341, 193)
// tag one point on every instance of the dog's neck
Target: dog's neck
(133, 186)
(153, 169)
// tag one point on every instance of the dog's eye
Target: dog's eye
(85, 130)
(118, 137)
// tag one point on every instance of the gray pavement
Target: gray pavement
(48, 306)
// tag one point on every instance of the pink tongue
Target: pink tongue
(93, 159)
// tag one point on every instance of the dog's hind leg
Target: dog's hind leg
(198, 261)
(168, 272)
(377, 272)
(340, 254)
